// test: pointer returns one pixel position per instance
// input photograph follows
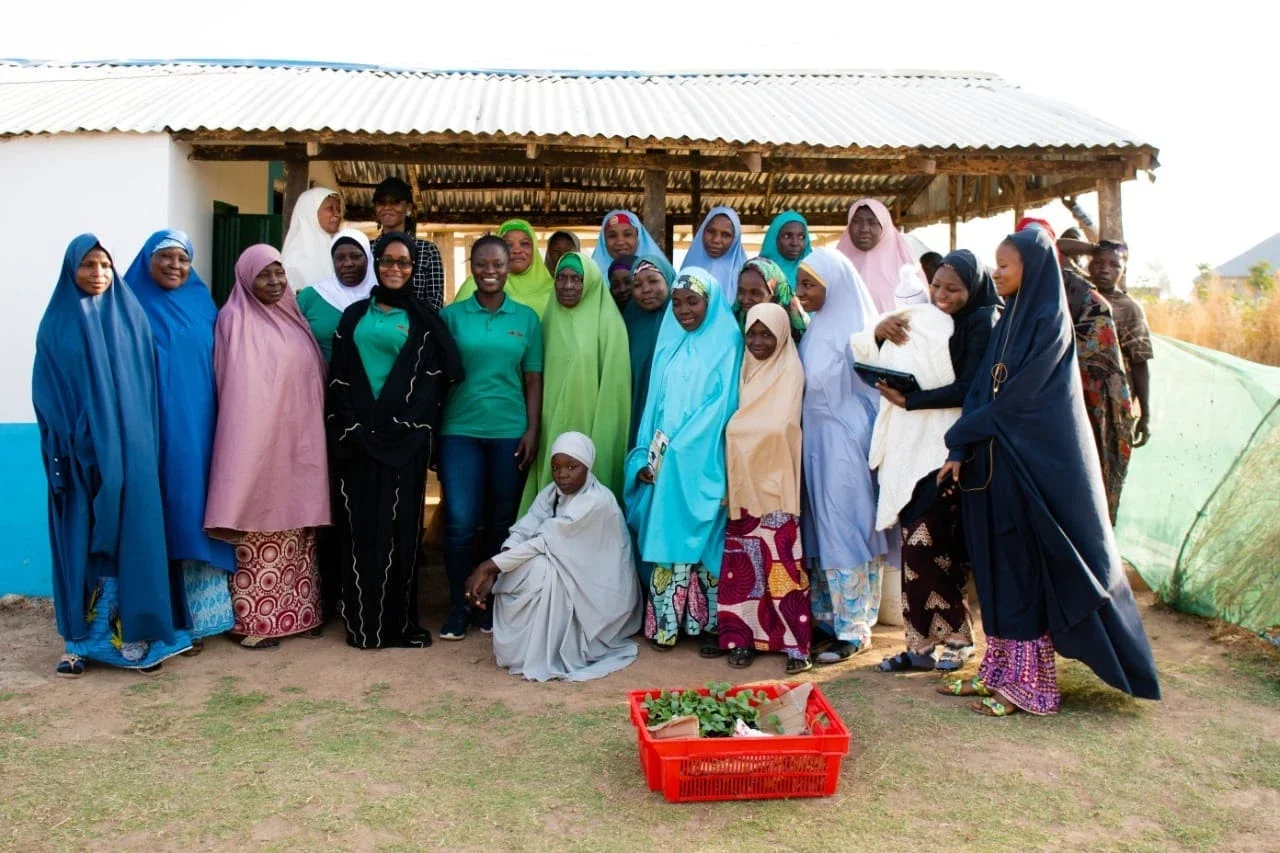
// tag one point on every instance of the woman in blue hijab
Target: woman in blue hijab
(94, 392)
(1044, 557)
(717, 248)
(786, 243)
(675, 481)
(622, 233)
(181, 314)
(843, 546)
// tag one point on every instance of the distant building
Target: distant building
(1234, 274)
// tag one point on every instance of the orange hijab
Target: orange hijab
(762, 441)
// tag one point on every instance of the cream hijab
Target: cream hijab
(762, 441)
(306, 246)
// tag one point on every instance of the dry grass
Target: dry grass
(1220, 319)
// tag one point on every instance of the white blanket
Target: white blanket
(905, 446)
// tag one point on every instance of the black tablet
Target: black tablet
(896, 379)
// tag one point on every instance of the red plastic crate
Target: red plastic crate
(694, 769)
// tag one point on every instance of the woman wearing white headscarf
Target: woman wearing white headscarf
(351, 278)
(565, 591)
(317, 216)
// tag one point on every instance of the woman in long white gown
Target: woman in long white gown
(565, 592)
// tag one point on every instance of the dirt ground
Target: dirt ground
(1199, 770)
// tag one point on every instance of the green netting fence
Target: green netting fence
(1200, 513)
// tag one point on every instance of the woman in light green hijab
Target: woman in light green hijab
(528, 281)
(586, 384)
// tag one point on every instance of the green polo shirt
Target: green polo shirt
(379, 337)
(322, 317)
(498, 348)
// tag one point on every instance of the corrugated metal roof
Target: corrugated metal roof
(839, 110)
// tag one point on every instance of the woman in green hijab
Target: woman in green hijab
(586, 374)
(528, 281)
(762, 280)
(651, 278)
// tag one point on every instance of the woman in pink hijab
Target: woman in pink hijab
(269, 479)
(877, 249)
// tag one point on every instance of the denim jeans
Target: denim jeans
(482, 487)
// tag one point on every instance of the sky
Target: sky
(1199, 87)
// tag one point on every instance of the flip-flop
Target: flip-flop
(711, 647)
(798, 665)
(660, 647)
(71, 666)
(839, 653)
(741, 658)
(993, 707)
(197, 646)
(901, 662)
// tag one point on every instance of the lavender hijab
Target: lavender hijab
(269, 470)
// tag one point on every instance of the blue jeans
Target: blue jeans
(482, 487)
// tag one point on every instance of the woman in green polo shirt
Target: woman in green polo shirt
(393, 362)
(351, 281)
(490, 433)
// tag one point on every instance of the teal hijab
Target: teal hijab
(642, 336)
(769, 248)
(693, 392)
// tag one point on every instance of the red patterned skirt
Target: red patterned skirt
(763, 599)
(276, 591)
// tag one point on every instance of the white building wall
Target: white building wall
(193, 187)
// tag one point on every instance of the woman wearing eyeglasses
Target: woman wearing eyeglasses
(393, 361)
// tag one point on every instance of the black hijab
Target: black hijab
(981, 308)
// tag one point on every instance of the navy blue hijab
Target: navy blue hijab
(181, 323)
(1035, 512)
(94, 391)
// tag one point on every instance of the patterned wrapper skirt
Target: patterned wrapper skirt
(934, 572)
(1109, 405)
(276, 591)
(763, 597)
(846, 601)
(105, 643)
(681, 596)
(208, 598)
(1024, 671)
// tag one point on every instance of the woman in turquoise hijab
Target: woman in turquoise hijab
(651, 278)
(622, 233)
(786, 243)
(675, 480)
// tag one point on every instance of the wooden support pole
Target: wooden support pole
(695, 199)
(669, 238)
(1019, 199)
(1110, 220)
(953, 192)
(296, 172)
(654, 213)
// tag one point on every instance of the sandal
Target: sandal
(962, 687)
(840, 652)
(154, 669)
(70, 666)
(197, 646)
(711, 647)
(660, 647)
(993, 707)
(799, 665)
(952, 658)
(741, 658)
(314, 633)
(260, 644)
(902, 662)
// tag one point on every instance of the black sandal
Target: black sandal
(660, 647)
(839, 653)
(741, 658)
(796, 666)
(711, 647)
(902, 662)
(70, 666)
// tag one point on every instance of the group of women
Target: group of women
(620, 445)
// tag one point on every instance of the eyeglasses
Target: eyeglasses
(396, 263)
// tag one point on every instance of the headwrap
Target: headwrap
(586, 379)
(769, 248)
(534, 287)
(880, 268)
(333, 291)
(725, 268)
(645, 244)
(762, 441)
(306, 245)
(269, 470)
(182, 324)
(642, 336)
(780, 293)
(577, 445)
(693, 391)
(622, 262)
(94, 391)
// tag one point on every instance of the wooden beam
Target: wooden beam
(581, 219)
(654, 212)
(296, 173)
(1110, 218)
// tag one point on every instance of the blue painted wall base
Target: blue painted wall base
(25, 566)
